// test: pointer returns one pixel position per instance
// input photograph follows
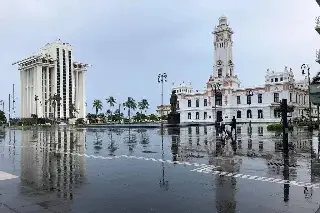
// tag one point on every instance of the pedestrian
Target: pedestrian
(223, 126)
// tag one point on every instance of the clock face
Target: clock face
(219, 62)
(230, 63)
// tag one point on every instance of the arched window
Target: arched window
(249, 114)
(197, 115)
(189, 115)
(197, 103)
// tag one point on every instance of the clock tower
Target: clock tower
(223, 49)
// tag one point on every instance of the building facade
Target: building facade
(223, 96)
(165, 109)
(52, 71)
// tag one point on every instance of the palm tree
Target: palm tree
(130, 104)
(73, 110)
(111, 101)
(97, 104)
(143, 105)
(54, 101)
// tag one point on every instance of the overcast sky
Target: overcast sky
(130, 42)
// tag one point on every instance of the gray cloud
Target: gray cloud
(130, 42)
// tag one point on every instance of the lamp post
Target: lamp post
(249, 94)
(215, 88)
(161, 79)
(306, 70)
(36, 98)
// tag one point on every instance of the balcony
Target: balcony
(317, 28)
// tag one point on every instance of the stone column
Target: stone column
(27, 104)
(47, 91)
(21, 92)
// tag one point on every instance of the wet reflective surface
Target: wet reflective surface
(152, 170)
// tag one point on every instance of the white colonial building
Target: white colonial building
(231, 99)
(52, 71)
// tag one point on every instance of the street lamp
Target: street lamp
(249, 94)
(306, 70)
(162, 78)
(36, 98)
(216, 90)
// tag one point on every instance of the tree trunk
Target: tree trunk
(129, 115)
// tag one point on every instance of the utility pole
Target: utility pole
(215, 88)
(36, 98)
(9, 110)
(13, 102)
(119, 113)
(161, 79)
(305, 68)
(285, 130)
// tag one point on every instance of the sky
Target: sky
(128, 43)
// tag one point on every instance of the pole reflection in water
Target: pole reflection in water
(163, 183)
(45, 165)
(286, 187)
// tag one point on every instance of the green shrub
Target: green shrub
(80, 121)
(277, 127)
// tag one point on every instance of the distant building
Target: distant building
(52, 71)
(230, 99)
(165, 108)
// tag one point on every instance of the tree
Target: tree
(111, 101)
(153, 117)
(97, 104)
(130, 104)
(143, 105)
(54, 102)
(72, 110)
(3, 119)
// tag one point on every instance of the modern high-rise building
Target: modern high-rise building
(52, 72)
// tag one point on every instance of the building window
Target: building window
(189, 115)
(189, 103)
(271, 80)
(248, 99)
(260, 98)
(238, 99)
(205, 102)
(260, 130)
(296, 98)
(197, 103)
(238, 114)
(290, 97)
(276, 97)
(218, 99)
(249, 114)
(304, 99)
(260, 113)
(219, 72)
(276, 80)
(197, 115)
(277, 113)
(281, 79)
(205, 115)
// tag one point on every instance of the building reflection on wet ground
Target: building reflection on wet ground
(187, 169)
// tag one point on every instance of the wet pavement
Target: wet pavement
(152, 170)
